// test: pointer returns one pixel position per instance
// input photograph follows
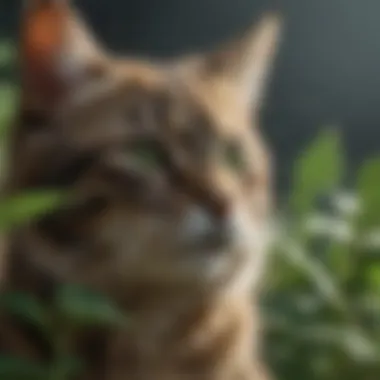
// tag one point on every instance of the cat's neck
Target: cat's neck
(195, 335)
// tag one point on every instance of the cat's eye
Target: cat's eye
(146, 155)
(233, 155)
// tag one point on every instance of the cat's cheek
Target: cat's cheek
(252, 238)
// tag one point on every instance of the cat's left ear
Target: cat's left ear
(58, 52)
(244, 65)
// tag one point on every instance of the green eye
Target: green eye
(234, 156)
(147, 158)
(145, 155)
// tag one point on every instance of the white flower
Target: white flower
(347, 204)
(336, 228)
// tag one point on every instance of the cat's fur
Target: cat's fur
(178, 240)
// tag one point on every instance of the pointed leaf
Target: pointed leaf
(317, 171)
(22, 208)
(82, 307)
(23, 306)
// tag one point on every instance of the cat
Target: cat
(170, 195)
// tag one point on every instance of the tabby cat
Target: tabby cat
(170, 192)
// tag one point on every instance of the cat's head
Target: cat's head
(171, 176)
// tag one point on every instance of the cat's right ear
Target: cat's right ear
(58, 53)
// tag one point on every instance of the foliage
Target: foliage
(73, 309)
(323, 299)
(24, 207)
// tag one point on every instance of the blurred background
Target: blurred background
(322, 121)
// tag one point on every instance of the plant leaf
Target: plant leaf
(318, 170)
(8, 98)
(67, 368)
(316, 273)
(7, 53)
(18, 369)
(23, 306)
(22, 208)
(369, 192)
(82, 307)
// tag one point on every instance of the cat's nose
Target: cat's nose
(203, 229)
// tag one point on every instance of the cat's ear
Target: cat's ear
(57, 52)
(244, 64)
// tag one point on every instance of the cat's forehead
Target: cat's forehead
(179, 102)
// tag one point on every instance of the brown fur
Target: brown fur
(130, 230)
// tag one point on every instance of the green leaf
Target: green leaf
(341, 261)
(18, 369)
(22, 208)
(23, 306)
(369, 191)
(67, 368)
(351, 339)
(7, 53)
(317, 171)
(316, 273)
(373, 276)
(82, 307)
(8, 98)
